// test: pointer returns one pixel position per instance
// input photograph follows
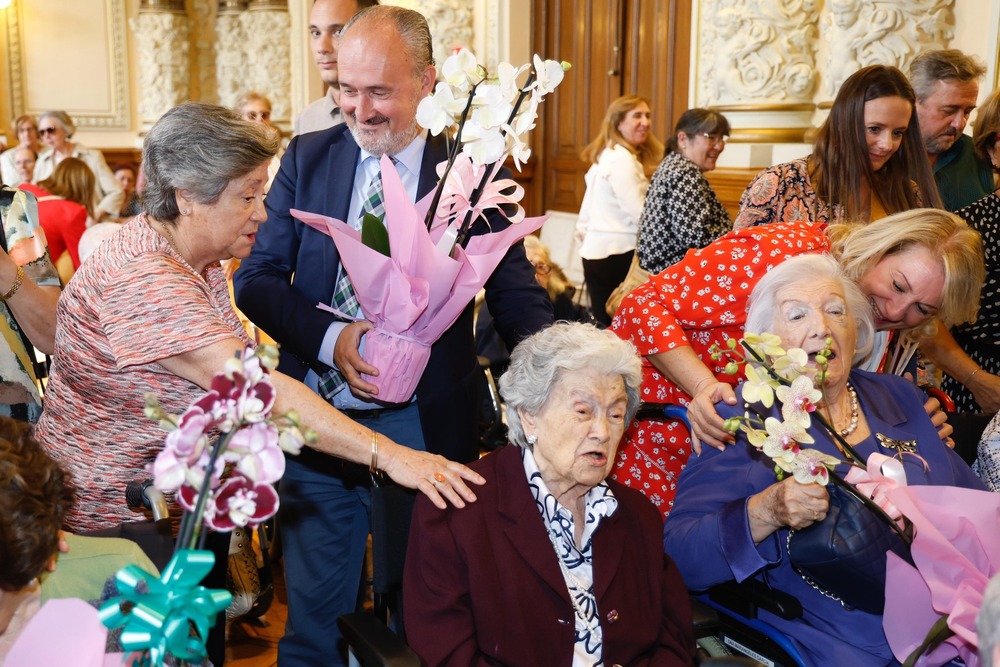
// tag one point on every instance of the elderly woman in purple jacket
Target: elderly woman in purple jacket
(731, 519)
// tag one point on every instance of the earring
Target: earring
(186, 211)
(532, 439)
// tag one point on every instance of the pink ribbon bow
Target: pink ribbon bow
(881, 475)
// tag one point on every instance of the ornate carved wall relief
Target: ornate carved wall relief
(163, 45)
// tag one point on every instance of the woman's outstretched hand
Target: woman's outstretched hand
(441, 480)
(706, 424)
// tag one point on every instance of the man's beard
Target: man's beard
(388, 143)
(941, 142)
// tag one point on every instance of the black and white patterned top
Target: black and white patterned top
(987, 464)
(681, 212)
(575, 562)
(981, 340)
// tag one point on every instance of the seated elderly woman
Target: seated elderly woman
(731, 519)
(914, 267)
(553, 565)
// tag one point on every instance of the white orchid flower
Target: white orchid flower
(548, 74)
(813, 466)
(462, 70)
(798, 400)
(792, 364)
(490, 108)
(783, 440)
(525, 119)
(482, 145)
(507, 76)
(439, 110)
(517, 149)
(758, 387)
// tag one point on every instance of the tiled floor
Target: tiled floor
(255, 643)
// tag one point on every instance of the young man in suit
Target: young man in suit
(385, 68)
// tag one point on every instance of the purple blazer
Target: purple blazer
(483, 585)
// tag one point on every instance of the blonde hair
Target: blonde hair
(859, 247)
(649, 153)
(558, 281)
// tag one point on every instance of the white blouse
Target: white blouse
(609, 216)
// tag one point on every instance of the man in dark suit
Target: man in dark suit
(385, 69)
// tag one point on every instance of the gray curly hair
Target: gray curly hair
(541, 361)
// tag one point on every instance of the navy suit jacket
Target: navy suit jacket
(482, 585)
(293, 267)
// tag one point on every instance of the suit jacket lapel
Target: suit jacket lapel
(609, 545)
(341, 163)
(435, 152)
(523, 524)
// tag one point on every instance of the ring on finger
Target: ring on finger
(439, 477)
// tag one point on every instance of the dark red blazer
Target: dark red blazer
(483, 586)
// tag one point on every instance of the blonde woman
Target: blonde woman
(622, 156)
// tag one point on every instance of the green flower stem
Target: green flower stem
(938, 633)
(453, 151)
(191, 526)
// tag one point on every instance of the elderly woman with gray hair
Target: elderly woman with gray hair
(56, 128)
(149, 312)
(731, 519)
(554, 565)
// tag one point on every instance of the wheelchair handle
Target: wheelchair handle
(144, 494)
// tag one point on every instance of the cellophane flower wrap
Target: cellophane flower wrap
(221, 458)
(930, 606)
(415, 290)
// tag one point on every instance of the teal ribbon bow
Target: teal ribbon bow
(158, 615)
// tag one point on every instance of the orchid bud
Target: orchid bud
(821, 360)
(732, 424)
(565, 66)
(731, 343)
(732, 368)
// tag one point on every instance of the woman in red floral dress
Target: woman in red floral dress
(913, 266)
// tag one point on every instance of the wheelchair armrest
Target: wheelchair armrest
(706, 619)
(373, 644)
(747, 597)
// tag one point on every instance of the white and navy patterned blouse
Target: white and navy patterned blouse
(681, 212)
(575, 562)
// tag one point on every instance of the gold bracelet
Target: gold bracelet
(18, 279)
(972, 375)
(373, 468)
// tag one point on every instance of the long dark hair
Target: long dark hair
(840, 161)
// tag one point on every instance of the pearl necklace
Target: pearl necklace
(855, 413)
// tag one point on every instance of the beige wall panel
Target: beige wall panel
(72, 56)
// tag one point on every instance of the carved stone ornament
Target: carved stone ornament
(757, 50)
(162, 42)
(266, 57)
(883, 32)
(450, 23)
(230, 70)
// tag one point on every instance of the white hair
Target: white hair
(541, 361)
(805, 270)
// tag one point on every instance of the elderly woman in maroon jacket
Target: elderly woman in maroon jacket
(554, 565)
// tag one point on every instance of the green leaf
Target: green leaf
(938, 633)
(374, 234)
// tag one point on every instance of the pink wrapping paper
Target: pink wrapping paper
(415, 295)
(63, 632)
(956, 549)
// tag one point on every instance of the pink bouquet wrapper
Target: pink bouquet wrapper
(956, 549)
(63, 632)
(413, 296)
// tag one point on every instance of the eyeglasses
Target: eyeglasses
(542, 269)
(46, 130)
(254, 115)
(715, 138)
